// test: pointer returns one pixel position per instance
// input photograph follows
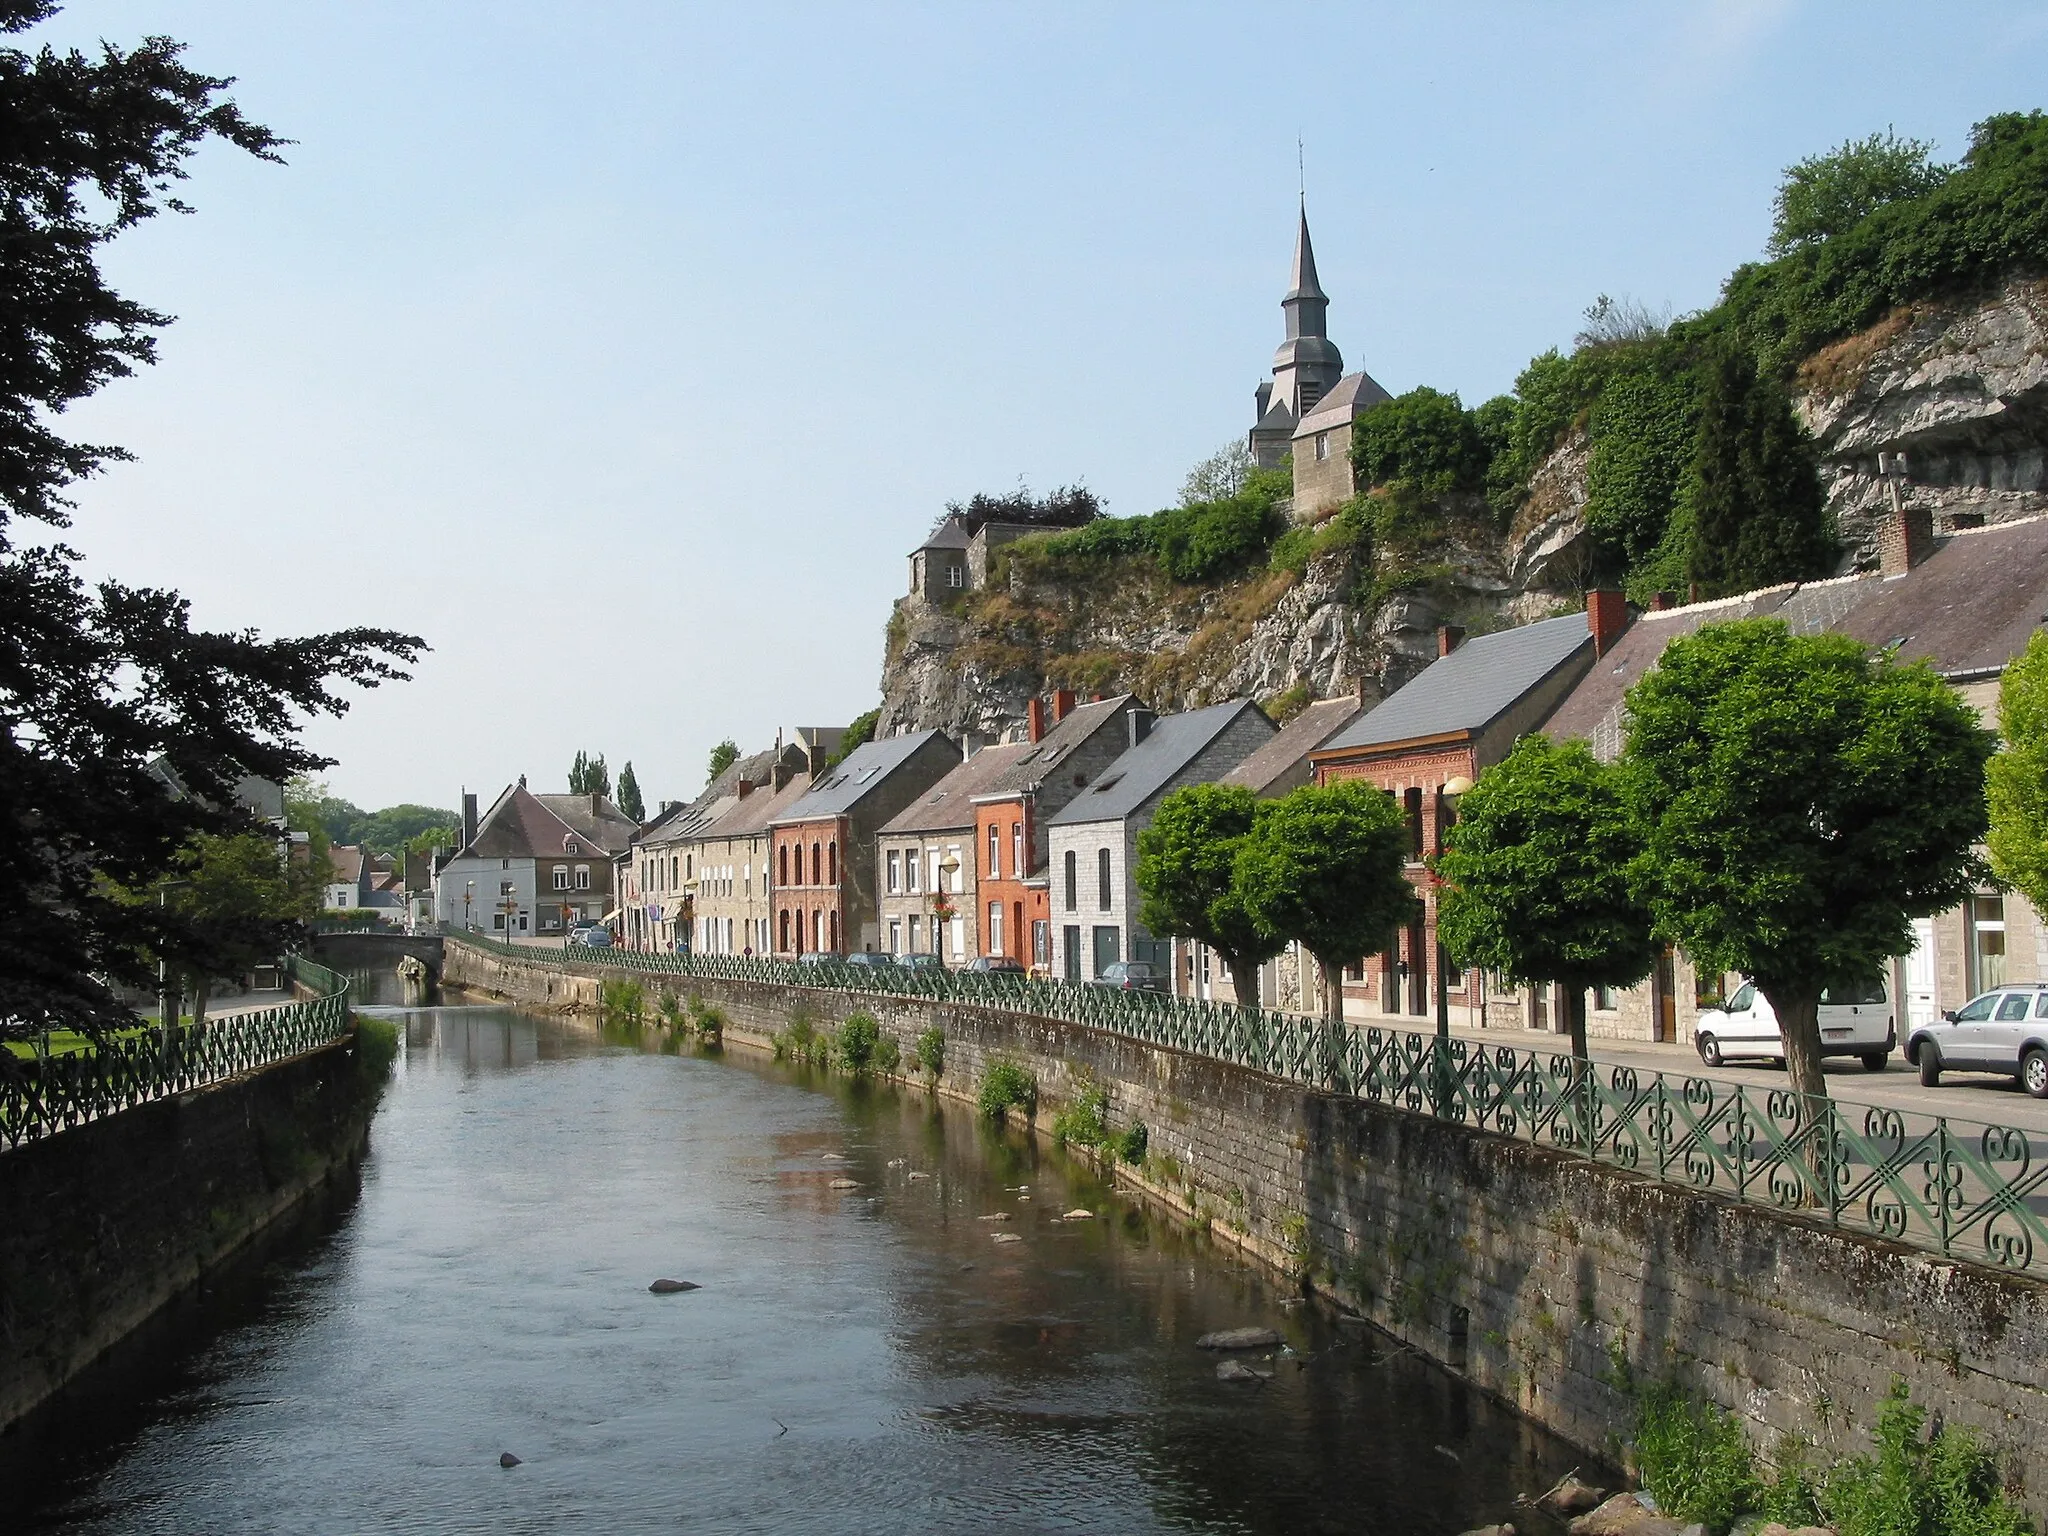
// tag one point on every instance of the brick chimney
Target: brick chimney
(1905, 539)
(1035, 717)
(1062, 704)
(1447, 638)
(743, 788)
(1664, 602)
(1606, 617)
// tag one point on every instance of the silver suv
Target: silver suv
(2002, 1031)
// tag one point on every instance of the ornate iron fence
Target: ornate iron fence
(1967, 1190)
(42, 1095)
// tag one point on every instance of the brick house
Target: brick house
(1093, 840)
(925, 860)
(823, 846)
(1460, 715)
(1013, 910)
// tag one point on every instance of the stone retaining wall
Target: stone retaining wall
(103, 1224)
(1535, 1275)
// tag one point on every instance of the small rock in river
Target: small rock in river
(1237, 1370)
(1570, 1497)
(898, 1162)
(507, 1459)
(1008, 1237)
(995, 1216)
(667, 1287)
(1078, 1216)
(1445, 1450)
(833, 1157)
(1624, 1515)
(1239, 1338)
(917, 1175)
(846, 1183)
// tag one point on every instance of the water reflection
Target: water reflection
(863, 1356)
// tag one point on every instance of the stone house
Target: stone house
(348, 878)
(1093, 840)
(1010, 844)
(1460, 715)
(534, 864)
(824, 844)
(925, 861)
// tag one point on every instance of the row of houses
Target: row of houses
(1025, 849)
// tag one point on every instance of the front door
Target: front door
(1920, 975)
(1667, 997)
(1107, 941)
(1071, 941)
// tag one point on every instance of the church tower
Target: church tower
(1306, 367)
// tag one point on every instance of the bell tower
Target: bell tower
(1307, 365)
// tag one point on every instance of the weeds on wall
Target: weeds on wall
(931, 1052)
(1006, 1086)
(802, 1043)
(1130, 1147)
(1082, 1123)
(622, 1002)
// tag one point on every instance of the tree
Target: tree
(424, 842)
(1757, 504)
(1799, 799)
(858, 734)
(241, 903)
(1220, 476)
(1824, 195)
(1424, 437)
(1323, 868)
(99, 685)
(1536, 877)
(589, 776)
(723, 756)
(629, 794)
(1186, 860)
(2016, 780)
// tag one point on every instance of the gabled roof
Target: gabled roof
(754, 812)
(1472, 687)
(1352, 395)
(346, 859)
(1970, 607)
(948, 535)
(1028, 770)
(1293, 743)
(596, 820)
(519, 826)
(949, 804)
(1143, 771)
(860, 773)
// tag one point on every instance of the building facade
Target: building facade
(926, 865)
(534, 864)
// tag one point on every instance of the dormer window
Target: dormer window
(569, 845)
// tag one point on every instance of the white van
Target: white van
(1854, 1021)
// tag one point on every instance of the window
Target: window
(1073, 892)
(504, 863)
(1412, 800)
(817, 866)
(561, 873)
(913, 863)
(896, 936)
(995, 927)
(785, 870)
(690, 866)
(582, 877)
(832, 862)
(2013, 1006)
(784, 946)
(497, 919)
(1976, 1010)
(747, 878)
(1744, 996)
(995, 869)
(505, 888)
(817, 930)
(1987, 949)
(895, 878)
(1103, 896)
(1322, 446)
(1041, 944)
(675, 873)
(2041, 1006)
(570, 846)
(1603, 998)
(956, 575)
(1017, 850)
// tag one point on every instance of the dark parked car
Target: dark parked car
(923, 962)
(994, 965)
(820, 957)
(868, 960)
(1132, 976)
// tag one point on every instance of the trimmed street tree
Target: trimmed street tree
(1800, 800)
(1536, 877)
(1323, 868)
(2016, 782)
(1186, 859)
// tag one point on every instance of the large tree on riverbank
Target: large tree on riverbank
(98, 681)
(1186, 869)
(1800, 800)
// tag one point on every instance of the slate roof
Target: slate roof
(1028, 770)
(599, 822)
(948, 535)
(1473, 686)
(1142, 771)
(1970, 607)
(949, 804)
(519, 826)
(1294, 741)
(863, 770)
(346, 859)
(1352, 395)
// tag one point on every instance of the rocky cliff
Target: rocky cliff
(1960, 387)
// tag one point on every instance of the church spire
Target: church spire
(1305, 284)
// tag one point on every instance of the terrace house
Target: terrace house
(925, 858)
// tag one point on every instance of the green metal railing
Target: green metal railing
(40, 1096)
(1967, 1190)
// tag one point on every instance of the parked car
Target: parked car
(1854, 1021)
(921, 962)
(994, 965)
(1132, 976)
(2002, 1031)
(596, 935)
(869, 960)
(820, 957)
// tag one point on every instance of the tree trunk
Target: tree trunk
(1244, 980)
(201, 987)
(1798, 1011)
(1574, 1000)
(1333, 1020)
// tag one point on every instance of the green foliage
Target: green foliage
(1642, 431)
(858, 1037)
(1198, 542)
(723, 756)
(1083, 1123)
(709, 1020)
(930, 1055)
(1424, 437)
(1917, 1485)
(858, 734)
(888, 1054)
(1006, 1086)
(629, 794)
(1827, 195)
(1130, 1147)
(1536, 875)
(327, 819)
(1222, 475)
(622, 1002)
(589, 776)
(1323, 866)
(376, 1049)
(1757, 503)
(802, 1043)
(1693, 1457)
(1186, 878)
(425, 841)
(2016, 780)
(1800, 800)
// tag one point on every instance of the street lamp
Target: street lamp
(1446, 798)
(468, 895)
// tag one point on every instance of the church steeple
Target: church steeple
(1307, 365)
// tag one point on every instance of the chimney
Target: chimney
(743, 788)
(1141, 724)
(468, 818)
(1663, 602)
(594, 798)
(1606, 617)
(1094, 698)
(1447, 638)
(1692, 592)
(1035, 714)
(967, 747)
(783, 774)
(1062, 704)
(1905, 538)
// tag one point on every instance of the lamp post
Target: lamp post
(468, 895)
(1446, 798)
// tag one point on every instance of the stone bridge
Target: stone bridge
(375, 950)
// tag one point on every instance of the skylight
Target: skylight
(1107, 783)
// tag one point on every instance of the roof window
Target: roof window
(1109, 781)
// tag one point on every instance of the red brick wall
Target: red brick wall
(816, 900)
(1006, 886)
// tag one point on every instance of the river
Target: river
(861, 1359)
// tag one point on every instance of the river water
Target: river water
(856, 1360)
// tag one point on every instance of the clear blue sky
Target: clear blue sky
(624, 350)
